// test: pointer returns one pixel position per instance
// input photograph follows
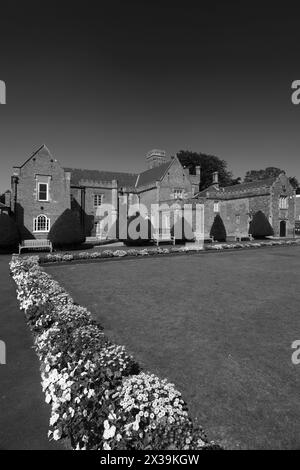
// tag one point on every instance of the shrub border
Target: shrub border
(150, 252)
(52, 315)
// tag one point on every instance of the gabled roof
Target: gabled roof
(236, 189)
(43, 148)
(152, 175)
(251, 185)
(129, 180)
(124, 179)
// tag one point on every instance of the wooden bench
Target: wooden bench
(238, 237)
(209, 240)
(35, 245)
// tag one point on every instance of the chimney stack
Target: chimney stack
(216, 178)
(7, 198)
(155, 158)
(198, 173)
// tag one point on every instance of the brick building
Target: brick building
(237, 204)
(42, 190)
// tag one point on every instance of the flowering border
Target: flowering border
(86, 255)
(99, 396)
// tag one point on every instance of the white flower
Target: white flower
(56, 435)
(54, 418)
(48, 398)
(109, 432)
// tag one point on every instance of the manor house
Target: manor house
(42, 190)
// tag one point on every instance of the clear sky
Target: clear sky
(102, 85)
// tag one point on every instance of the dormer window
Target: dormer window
(43, 191)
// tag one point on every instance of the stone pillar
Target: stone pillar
(113, 232)
(123, 216)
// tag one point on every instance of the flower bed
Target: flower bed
(86, 255)
(99, 396)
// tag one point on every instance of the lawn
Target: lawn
(218, 325)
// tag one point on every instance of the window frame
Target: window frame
(216, 205)
(47, 191)
(36, 224)
(283, 202)
(177, 193)
(96, 197)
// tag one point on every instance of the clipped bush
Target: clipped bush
(9, 234)
(67, 230)
(260, 227)
(218, 231)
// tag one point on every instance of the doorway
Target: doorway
(283, 228)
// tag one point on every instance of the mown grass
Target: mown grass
(219, 326)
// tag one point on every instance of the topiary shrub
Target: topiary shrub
(218, 231)
(67, 230)
(141, 227)
(260, 227)
(9, 234)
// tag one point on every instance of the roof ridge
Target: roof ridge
(100, 171)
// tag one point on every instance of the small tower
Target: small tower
(155, 158)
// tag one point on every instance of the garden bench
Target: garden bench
(239, 236)
(35, 245)
(157, 238)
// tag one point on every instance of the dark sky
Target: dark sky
(102, 85)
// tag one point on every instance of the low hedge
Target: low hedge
(86, 255)
(99, 396)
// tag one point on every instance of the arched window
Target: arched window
(283, 202)
(41, 224)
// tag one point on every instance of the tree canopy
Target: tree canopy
(209, 164)
(269, 172)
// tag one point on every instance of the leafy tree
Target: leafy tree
(269, 172)
(9, 234)
(294, 182)
(209, 164)
(218, 231)
(67, 230)
(260, 227)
